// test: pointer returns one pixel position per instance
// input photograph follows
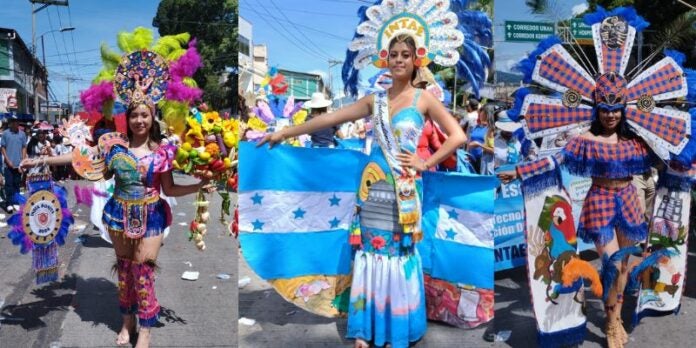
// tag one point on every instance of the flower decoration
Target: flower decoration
(378, 242)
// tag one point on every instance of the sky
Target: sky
(302, 35)
(75, 54)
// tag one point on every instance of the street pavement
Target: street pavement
(278, 323)
(81, 310)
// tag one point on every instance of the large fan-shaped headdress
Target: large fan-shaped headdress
(434, 28)
(666, 130)
(159, 73)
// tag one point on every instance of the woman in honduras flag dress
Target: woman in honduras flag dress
(387, 298)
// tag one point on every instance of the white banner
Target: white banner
(8, 99)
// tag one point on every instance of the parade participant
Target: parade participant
(387, 299)
(135, 216)
(412, 108)
(621, 116)
(136, 198)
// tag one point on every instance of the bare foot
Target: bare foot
(128, 327)
(360, 343)
(143, 338)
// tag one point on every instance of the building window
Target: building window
(244, 47)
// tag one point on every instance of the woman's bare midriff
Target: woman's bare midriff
(611, 183)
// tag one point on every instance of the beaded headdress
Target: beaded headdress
(441, 29)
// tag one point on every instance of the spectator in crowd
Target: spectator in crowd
(39, 145)
(62, 147)
(469, 121)
(507, 149)
(318, 106)
(478, 135)
(14, 150)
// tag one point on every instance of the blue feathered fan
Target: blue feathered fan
(41, 224)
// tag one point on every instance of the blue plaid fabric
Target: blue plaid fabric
(555, 68)
(607, 209)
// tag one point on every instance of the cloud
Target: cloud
(579, 8)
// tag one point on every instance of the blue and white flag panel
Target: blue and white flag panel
(458, 223)
(295, 209)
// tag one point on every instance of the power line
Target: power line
(72, 34)
(74, 52)
(270, 24)
(53, 34)
(323, 32)
(291, 33)
(65, 45)
(330, 14)
(300, 31)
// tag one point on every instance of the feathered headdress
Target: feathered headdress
(145, 72)
(667, 131)
(435, 28)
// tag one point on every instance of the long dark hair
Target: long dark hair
(411, 43)
(622, 129)
(155, 132)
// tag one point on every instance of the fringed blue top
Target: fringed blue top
(588, 158)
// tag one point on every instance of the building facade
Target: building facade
(301, 85)
(18, 67)
(246, 61)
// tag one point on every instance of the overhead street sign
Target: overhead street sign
(527, 31)
(579, 29)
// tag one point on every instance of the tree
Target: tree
(213, 23)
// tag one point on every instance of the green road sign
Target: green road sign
(527, 31)
(579, 29)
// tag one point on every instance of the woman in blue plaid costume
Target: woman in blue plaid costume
(623, 118)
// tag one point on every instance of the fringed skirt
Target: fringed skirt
(387, 298)
(607, 209)
(154, 216)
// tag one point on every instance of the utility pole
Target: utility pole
(43, 54)
(332, 62)
(454, 92)
(34, 10)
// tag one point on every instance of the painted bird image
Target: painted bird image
(562, 229)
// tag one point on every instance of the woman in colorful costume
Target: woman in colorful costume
(387, 299)
(135, 216)
(624, 122)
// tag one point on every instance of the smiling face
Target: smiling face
(609, 119)
(402, 53)
(140, 120)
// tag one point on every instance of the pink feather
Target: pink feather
(83, 195)
(289, 106)
(187, 64)
(177, 90)
(263, 111)
(183, 67)
(96, 95)
(254, 135)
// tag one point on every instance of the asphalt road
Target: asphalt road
(81, 309)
